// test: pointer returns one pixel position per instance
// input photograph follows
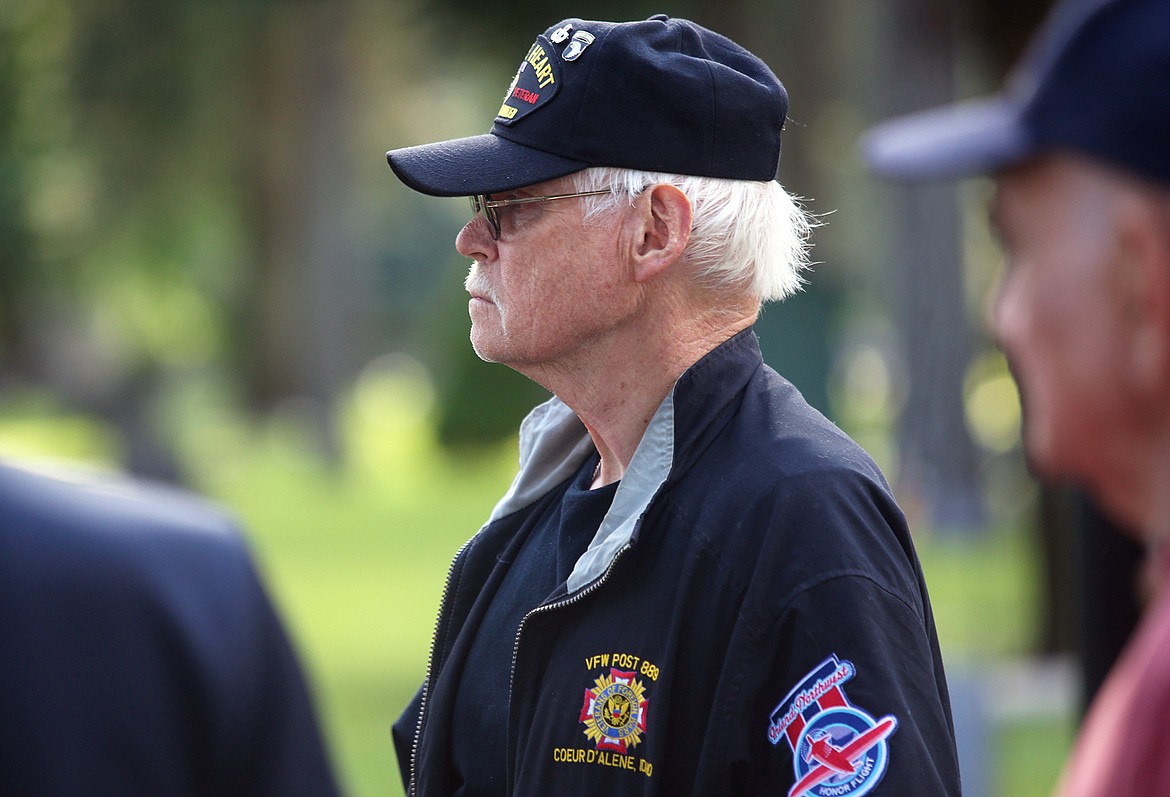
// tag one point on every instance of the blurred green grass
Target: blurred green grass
(1029, 754)
(356, 554)
(359, 575)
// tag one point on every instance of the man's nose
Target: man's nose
(1003, 314)
(475, 241)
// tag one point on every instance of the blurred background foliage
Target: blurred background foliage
(193, 193)
(209, 276)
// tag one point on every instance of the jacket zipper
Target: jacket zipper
(568, 601)
(422, 705)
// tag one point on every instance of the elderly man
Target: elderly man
(1079, 146)
(696, 584)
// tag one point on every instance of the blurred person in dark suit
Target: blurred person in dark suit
(139, 652)
(1079, 146)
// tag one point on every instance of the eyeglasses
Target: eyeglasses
(488, 208)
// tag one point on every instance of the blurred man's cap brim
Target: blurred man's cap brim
(977, 137)
(485, 164)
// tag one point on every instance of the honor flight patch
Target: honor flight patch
(837, 749)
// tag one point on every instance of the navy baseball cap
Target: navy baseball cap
(662, 95)
(1095, 80)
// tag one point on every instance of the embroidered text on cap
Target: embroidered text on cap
(534, 85)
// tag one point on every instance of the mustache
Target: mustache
(477, 285)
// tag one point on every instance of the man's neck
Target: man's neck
(616, 386)
(1137, 489)
(1156, 520)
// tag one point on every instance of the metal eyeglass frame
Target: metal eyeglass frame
(482, 206)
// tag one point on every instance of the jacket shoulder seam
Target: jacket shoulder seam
(847, 573)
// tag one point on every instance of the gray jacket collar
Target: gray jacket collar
(554, 443)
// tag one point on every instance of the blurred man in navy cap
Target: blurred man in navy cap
(139, 653)
(696, 583)
(1079, 145)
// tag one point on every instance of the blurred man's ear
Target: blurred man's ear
(1142, 284)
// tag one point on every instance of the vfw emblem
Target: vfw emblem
(837, 749)
(614, 713)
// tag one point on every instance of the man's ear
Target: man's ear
(662, 231)
(1142, 288)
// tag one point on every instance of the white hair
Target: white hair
(746, 236)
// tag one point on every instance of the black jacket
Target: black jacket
(139, 654)
(750, 608)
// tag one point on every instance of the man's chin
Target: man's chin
(1039, 457)
(1047, 463)
(483, 347)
